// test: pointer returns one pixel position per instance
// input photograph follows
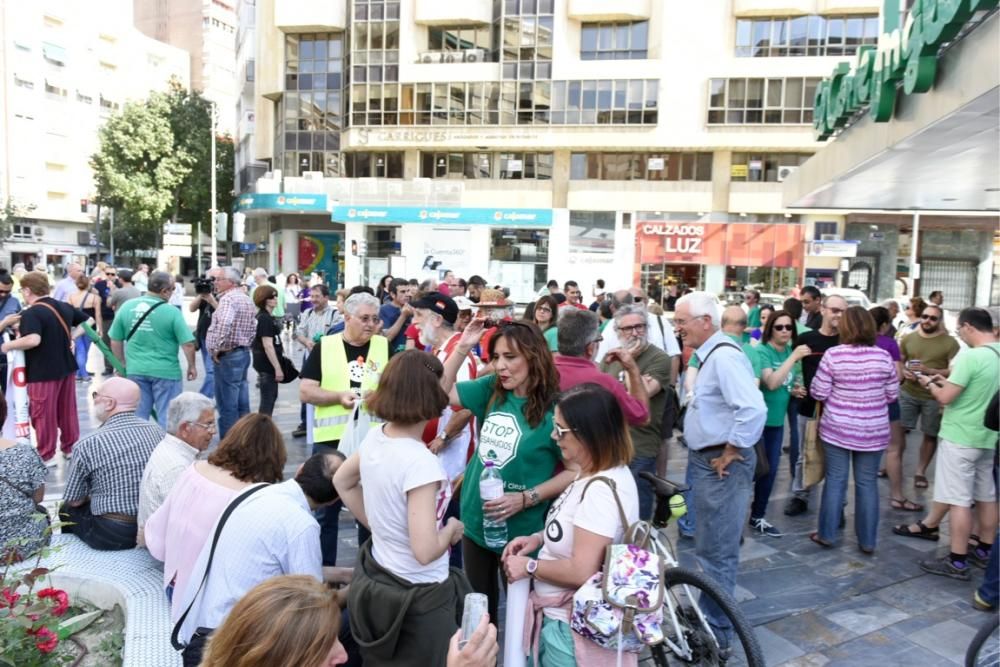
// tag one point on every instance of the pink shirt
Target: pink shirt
(177, 531)
(574, 371)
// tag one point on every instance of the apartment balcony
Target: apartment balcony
(755, 197)
(466, 12)
(776, 7)
(607, 10)
(293, 16)
(848, 6)
(592, 195)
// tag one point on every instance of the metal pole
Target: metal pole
(197, 245)
(112, 235)
(914, 268)
(215, 259)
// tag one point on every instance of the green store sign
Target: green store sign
(907, 53)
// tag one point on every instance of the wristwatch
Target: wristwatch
(531, 567)
(533, 498)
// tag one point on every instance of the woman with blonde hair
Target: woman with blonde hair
(287, 620)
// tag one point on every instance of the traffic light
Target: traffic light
(84, 204)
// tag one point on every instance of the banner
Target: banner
(18, 424)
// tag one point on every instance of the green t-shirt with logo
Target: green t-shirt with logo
(152, 350)
(776, 400)
(976, 371)
(552, 338)
(525, 456)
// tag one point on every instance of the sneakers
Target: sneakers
(982, 605)
(946, 568)
(300, 431)
(796, 506)
(979, 557)
(764, 528)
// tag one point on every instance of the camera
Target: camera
(204, 285)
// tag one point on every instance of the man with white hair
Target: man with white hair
(141, 277)
(67, 285)
(659, 331)
(341, 369)
(233, 328)
(724, 421)
(190, 427)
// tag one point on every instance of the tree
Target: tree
(153, 166)
(11, 213)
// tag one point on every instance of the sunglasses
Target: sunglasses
(558, 431)
(5, 292)
(784, 327)
(930, 318)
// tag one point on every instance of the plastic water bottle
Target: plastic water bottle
(491, 488)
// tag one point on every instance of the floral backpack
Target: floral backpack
(619, 607)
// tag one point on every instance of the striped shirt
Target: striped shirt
(234, 323)
(107, 465)
(857, 384)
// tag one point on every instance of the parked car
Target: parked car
(854, 297)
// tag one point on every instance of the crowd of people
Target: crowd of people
(412, 393)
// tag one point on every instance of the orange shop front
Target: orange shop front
(718, 257)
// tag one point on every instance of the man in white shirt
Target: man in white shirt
(659, 330)
(190, 427)
(273, 532)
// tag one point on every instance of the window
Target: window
(661, 166)
(19, 231)
(763, 167)
(54, 89)
(761, 101)
(519, 245)
(54, 55)
(108, 105)
(23, 83)
(824, 230)
(461, 38)
(517, 166)
(805, 35)
(614, 41)
(374, 165)
(592, 231)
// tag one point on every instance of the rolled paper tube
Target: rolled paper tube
(517, 603)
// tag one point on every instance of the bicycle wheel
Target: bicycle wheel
(984, 650)
(693, 641)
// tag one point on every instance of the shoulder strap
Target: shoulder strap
(175, 635)
(135, 327)
(993, 350)
(69, 336)
(614, 491)
(723, 344)
(663, 333)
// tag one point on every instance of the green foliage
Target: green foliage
(111, 648)
(153, 166)
(12, 212)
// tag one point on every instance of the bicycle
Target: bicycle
(689, 639)
(983, 653)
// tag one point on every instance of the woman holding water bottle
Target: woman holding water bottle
(400, 490)
(514, 408)
(594, 440)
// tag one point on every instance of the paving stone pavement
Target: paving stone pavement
(811, 606)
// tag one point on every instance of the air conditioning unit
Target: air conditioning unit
(786, 172)
(38, 232)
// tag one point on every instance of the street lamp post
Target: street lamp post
(212, 220)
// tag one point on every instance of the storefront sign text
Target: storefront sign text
(906, 53)
(682, 239)
(529, 217)
(282, 202)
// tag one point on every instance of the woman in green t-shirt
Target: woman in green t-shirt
(780, 380)
(544, 313)
(514, 409)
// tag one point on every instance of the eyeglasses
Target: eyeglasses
(784, 327)
(558, 431)
(634, 329)
(211, 428)
(930, 318)
(543, 309)
(598, 339)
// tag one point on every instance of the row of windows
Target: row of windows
(641, 166)
(614, 41)
(805, 35)
(505, 166)
(523, 7)
(459, 38)
(373, 165)
(755, 101)
(593, 102)
(375, 10)
(763, 167)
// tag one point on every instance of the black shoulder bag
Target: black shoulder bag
(201, 634)
(135, 327)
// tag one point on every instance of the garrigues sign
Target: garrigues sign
(907, 54)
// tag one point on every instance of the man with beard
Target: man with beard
(101, 499)
(928, 351)
(496, 308)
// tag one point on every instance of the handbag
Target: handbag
(761, 467)
(358, 425)
(813, 459)
(288, 370)
(618, 608)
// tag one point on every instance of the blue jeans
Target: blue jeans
(838, 465)
(208, 385)
(685, 524)
(328, 519)
(646, 495)
(793, 434)
(990, 590)
(82, 348)
(720, 509)
(155, 393)
(232, 393)
(773, 436)
(97, 532)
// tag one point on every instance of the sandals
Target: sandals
(924, 533)
(904, 505)
(820, 541)
(920, 481)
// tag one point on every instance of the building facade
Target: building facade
(65, 70)
(533, 139)
(206, 29)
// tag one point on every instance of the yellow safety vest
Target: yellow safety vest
(329, 421)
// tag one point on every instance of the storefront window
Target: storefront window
(519, 259)
(592, 231)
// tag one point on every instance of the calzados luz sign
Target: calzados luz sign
(680, 239)
(907, 53)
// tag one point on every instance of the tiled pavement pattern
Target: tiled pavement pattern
(810, 606)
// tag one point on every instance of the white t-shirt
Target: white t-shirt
(598, 514)
(455, 455)
(390, 468)
(666, 341)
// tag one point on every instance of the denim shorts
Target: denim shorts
(894, 411)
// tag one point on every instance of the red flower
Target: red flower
(45, 640)
(60, 597)
(10, 597)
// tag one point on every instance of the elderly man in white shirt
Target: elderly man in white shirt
(190, 428)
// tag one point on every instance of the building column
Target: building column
(288, 242)
(560, 178)
(721, 163)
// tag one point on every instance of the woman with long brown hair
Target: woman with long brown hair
(544, 313)
(252, 452)
(514, 408)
